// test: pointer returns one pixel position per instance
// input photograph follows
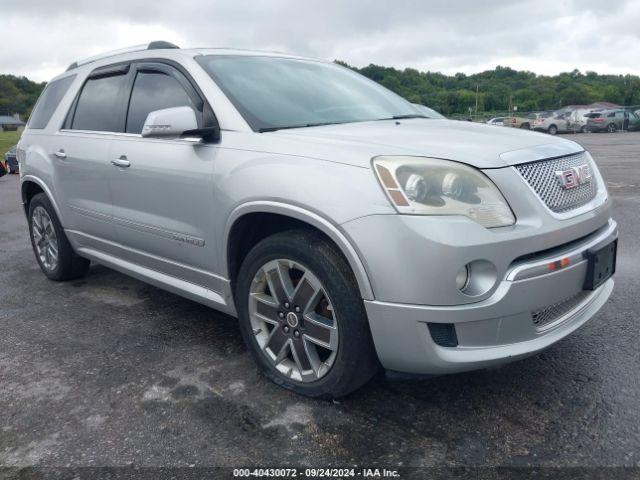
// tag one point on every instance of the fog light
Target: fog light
(481, 276)
(462, 277)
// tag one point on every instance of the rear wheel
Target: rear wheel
(584, 129)
(552, 130)
(51, 247)
(302, 317)
(525, 126)
(611, 128)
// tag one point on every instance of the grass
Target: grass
(8, 140)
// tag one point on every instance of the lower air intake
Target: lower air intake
(443, 334)
(549, 314)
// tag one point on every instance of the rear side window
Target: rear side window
(48, 102)
(100, 105)
(154, 91)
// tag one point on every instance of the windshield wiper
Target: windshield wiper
(286, 127)
(403, 117)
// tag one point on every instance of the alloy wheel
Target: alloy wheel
(44, 238)
(293, 320)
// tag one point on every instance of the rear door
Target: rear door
(163, 199)
(81, 150)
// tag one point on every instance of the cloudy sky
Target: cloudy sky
(41, 37)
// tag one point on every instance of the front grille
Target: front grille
(549, 314)
(543, 179)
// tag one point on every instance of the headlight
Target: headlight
(428, 186)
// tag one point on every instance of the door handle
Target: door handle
(121, 162)
(60, 153)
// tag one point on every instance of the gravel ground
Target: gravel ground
(109, 371)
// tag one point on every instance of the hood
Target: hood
(480, 145)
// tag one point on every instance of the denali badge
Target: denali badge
(574, 177)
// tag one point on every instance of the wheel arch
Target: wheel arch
(287, 216)
(31, 186)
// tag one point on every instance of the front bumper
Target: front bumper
(412, 262)
(492, 333)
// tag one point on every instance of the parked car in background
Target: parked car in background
(517, 122)
(428, 112)
(631, 120)
(578, 120)
(11, 160)
(552, 124)
(612, 121)
(527, 121)
(499, 121)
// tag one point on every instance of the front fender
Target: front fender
(313, 219)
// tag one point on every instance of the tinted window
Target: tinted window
(272, 92)
(154, 91)
(100, 105)
(49, 101)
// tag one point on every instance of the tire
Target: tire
(351, 360)
(552, 130)
(584, 129)
(67, 265)
(611, 128)
(525, 126)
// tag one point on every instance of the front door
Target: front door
(162, 189)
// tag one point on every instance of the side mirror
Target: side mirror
(178, 122)
(170, 122)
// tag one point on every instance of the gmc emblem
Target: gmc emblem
(574, 177)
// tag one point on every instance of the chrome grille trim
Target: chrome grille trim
(541, 176)
(546, 317)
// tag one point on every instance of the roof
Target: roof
(162, 45)
(6, 120)
(162, 50)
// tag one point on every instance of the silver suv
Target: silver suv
(343, 228)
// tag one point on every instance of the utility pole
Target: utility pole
(476, 100)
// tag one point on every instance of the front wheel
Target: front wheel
(611, 128)
(584, 129)
(302, 317)
(553, 130)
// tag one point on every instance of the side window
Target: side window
(154, 91)
(100, 105)
(48, 102)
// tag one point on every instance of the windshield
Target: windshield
(274, 92)
(427, 111)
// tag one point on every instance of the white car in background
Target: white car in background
(552, 124)
(499, 121)
(578, 120)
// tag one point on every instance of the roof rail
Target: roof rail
(157, 45)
